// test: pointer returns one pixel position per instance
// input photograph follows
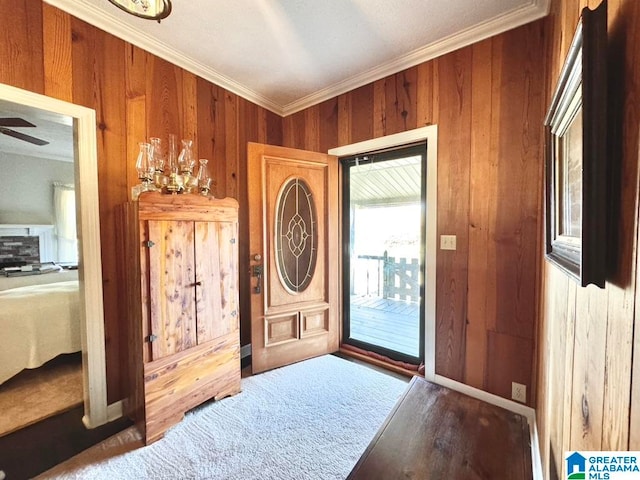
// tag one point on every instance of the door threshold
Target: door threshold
(348, 351)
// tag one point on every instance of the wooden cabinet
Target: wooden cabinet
(182, 281)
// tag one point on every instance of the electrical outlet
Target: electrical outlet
(447, 242)
(519, 392)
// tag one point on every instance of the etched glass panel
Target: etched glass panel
(296, 235)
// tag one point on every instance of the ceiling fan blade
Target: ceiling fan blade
(15, 122)
(22, 136)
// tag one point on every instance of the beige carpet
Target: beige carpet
(34, 395)
(307, 421)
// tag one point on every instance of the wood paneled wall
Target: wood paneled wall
(487, 100)
(589, 385)
(136, 95)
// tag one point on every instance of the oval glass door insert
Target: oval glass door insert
(296, 235)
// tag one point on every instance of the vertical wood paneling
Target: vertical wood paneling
(219, 140)
(624, 57)
(57, 55)
(113, 191)
(21, 46)
(624, 54)
(105, 93)
(164, 99)
(297, 136)
(136, 109)
(561, 355)
(482, 206)
(344, 119)
(231, 158)
(379, 105)
(206, 120)
(312, 128)
(454, 151)
(518, 219)
(588, 368)
(99, 83)
(510, 360)
(328, 125)
(601, 343)
(274, 128)
(189, 111)
(361, 112)
(424, 95)
(401, 101)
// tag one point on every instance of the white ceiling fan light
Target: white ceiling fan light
(147, 9)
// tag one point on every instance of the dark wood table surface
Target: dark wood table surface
(434, 432)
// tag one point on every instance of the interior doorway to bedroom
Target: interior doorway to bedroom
(384, 196)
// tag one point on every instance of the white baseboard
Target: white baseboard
(115, 411)
(527, 412)
(245, 350)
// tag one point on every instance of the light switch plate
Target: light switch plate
(447, 242)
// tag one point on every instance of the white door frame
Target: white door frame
(430, 135)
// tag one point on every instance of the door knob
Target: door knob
(257, 257)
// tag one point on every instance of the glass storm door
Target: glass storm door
(383, 252)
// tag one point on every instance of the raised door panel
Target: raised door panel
(171, 289)
(217, 279)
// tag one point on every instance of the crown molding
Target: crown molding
(534, 10)
(109, 23)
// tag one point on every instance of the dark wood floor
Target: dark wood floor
(437, 433)
(392, 324)
(34, 449)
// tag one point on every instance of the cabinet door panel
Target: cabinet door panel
(216, 271)
(171, 285)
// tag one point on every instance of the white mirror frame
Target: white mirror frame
(90, 271)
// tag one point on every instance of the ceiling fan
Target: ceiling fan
(19, 122)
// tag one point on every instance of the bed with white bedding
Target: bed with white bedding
(39, 320)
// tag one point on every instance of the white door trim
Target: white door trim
(430, 135)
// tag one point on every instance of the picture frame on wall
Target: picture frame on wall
(576, 156)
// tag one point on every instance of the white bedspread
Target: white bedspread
(38, 323)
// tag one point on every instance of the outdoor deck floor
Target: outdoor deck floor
(392, 324)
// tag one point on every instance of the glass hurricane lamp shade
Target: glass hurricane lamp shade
(172, 159)
(157, 154)
(147, 9)
(145, 169)
(204, 180)
(144, 163)
(186, 162)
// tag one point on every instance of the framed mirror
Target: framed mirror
(82, 122)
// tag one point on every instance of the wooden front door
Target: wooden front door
(294, 248)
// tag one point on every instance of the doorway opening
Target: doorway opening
(384, 198)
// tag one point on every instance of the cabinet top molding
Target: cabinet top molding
(156, 205)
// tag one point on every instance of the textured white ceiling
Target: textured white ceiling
(289, 54)
(54, 128)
